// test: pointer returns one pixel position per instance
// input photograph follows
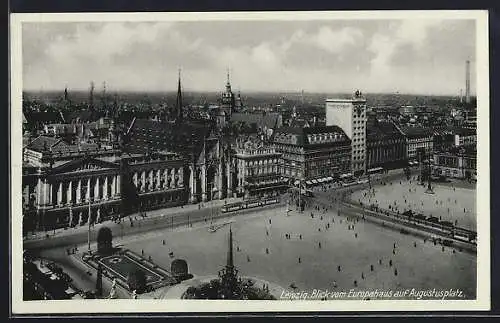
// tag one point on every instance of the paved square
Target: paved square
(450, 203)
(262, 251)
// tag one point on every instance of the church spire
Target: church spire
(228, 83)
(66, 93)
(178, 103)
(91, 95)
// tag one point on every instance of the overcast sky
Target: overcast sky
(406, 56)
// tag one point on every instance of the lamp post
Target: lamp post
(88, 233)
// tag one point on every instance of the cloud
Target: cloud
(336, 41)
(322, 56)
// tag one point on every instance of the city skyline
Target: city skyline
(336, 56)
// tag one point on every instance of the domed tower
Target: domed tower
(227, 100)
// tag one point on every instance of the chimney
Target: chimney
(467, 81)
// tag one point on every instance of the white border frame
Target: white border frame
(155, 306)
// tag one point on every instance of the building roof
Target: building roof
(147, 135)
(318, 135)
(465, 131)
(455, 150)
(58, 145)
(416, 132)
(381, 131)
(37, 117)
(269, 120)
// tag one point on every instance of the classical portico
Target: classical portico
(66, 194)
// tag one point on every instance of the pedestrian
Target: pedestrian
(300, 236)
(142, 252)
(371, 267)
(319, 245)
(299, 260)
(163, 242)
(356, 283)
(390, 263)
(415, 244)
(362, 276)
(248, 258)
(267, 251)
(380, 261)
(395, 271)
(269, 221)
(356, 235)
(338, 268)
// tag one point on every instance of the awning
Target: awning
(346, 175)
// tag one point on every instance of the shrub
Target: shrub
(104, 241)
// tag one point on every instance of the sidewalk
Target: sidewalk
(137, 218)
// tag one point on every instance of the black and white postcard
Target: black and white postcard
(260, 161)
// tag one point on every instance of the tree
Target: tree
(136, 280)
(104, 241)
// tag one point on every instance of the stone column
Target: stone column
(135, 179)
(118, 187)
(97, 193)
(50, 194)
(105, 188)
(143, 180)
(180, 182)
(39, 192)
(59, 194)
(165, 178)
(113, 186)
(151, 184)
(79, 192)
(69, 196)
(172, 178)
(87, 196)
(219, 181)
(158, 179)
(192, 184)
(229, 180)
(203, 183)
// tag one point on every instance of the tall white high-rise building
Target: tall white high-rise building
(350, 115)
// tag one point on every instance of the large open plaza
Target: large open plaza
(320, 253)
(449, 202)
